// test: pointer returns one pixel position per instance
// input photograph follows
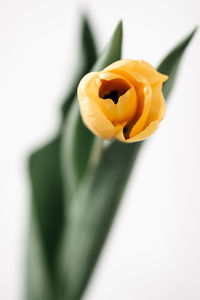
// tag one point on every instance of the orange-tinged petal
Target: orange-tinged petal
(148, 131)
(149, 72)
(156, 114)
(143, 90)
(158, 106)
(91, 113)
(140, 124)
(138, 66)
(127, 105)
(109, 108)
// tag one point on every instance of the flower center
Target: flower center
(113, 96)
(113, 89)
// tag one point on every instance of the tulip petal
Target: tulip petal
(156, 114)
(140, 124)
(148, 131)
(138, 66)
(143, 90)
(158, 106)
(127, 105)
(109, 108)
(92, 115)
(149, 72)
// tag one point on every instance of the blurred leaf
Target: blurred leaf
(87, 57)
(170, 64)
(77, 140)
(95, 203)
(112, 52)
(47, 195)
(38, 285)
(46, 179)
(91, 213)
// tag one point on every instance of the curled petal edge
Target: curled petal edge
(138, 66)
(91, 113)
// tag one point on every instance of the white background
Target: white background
(153, 249)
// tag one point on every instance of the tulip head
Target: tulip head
(123, 101)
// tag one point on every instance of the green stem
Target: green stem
(96, 153)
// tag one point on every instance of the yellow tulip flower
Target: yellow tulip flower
(123, 101)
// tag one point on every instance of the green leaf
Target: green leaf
(94, 205)
(77, 143)
(77, 140)
(87, 57)
(170, 64)
(112, 52)
(91, 213)
(47, 197)
(38, 285)
(46, 182)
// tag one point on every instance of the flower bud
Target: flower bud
(123, 101)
